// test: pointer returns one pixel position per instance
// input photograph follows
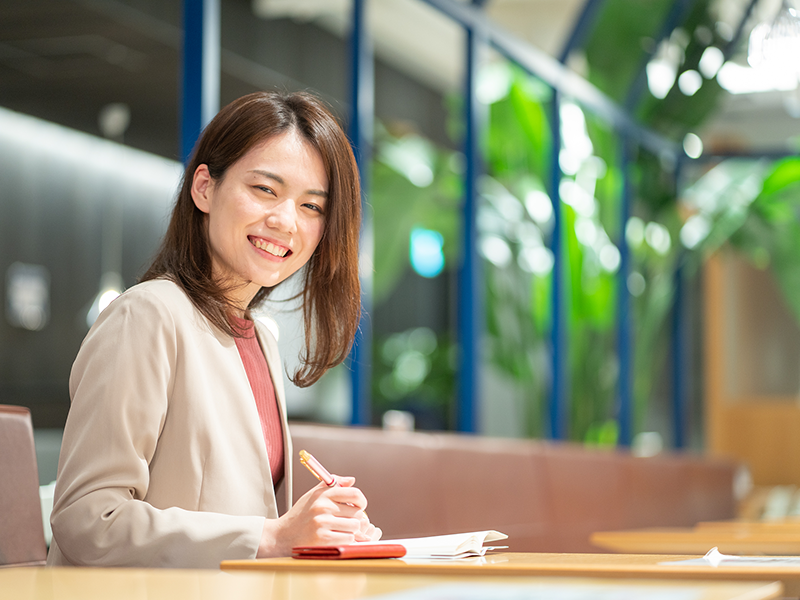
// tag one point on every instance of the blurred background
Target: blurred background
(673, 322)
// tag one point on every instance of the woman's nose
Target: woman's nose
(283, 216)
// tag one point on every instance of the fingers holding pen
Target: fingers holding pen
(345, 493)
(332, 481)
(323, 515)
(352, 502)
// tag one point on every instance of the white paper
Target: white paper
(457, 545)
(715, 558)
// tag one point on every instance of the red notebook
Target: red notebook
(350, 551)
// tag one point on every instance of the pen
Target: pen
(316, 468)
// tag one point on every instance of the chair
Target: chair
(21, 530)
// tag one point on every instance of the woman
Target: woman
(176, 438)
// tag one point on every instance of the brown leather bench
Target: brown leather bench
(547, 496)
(21, 528)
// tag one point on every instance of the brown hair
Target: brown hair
(331, 290)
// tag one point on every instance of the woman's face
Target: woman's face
(266, 215)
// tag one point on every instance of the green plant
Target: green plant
(750, 205)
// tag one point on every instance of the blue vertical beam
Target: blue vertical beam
(679, 348)
(582, 27)
(201, 70)
(678, 362)
(558, 405)
(559, 340)
(470, 313)
(362, 116)
(624, 354)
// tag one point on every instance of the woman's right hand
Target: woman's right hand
(322, 516)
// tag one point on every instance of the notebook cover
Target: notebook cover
(349, 551)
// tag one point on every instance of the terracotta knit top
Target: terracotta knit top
(255, 365)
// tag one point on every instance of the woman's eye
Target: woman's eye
(314, 207)
(265, 189)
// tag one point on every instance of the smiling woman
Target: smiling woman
(176, 442)
(241, 132)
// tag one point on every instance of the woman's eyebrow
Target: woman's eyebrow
(280, 180)
(268, 175)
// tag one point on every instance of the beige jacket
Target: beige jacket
(163, 462)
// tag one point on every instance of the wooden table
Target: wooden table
(75, 583)
(618, 566)
(784, 525)
(730, 538)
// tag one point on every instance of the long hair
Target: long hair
(331, 292)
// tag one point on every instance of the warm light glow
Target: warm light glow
(106, 298)
(111, 286)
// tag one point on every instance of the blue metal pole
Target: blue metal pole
(470, 313)
(678, 363)
(624, 354)
(582, 27)
(201, 70)
(554, 74)
(362, 115)
(559, 405)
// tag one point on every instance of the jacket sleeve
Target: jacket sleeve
(120, 388)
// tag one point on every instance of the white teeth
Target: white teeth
(269, 247)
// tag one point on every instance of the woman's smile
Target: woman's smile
(269, 247)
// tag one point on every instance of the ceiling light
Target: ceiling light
(777, 45)
(782, 43)
(737, 79)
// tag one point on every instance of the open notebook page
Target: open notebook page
(449, 546)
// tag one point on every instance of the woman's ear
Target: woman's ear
(201, 187)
